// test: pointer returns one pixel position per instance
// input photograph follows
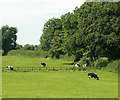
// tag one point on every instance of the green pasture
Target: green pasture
(21, 61)
(57, 84)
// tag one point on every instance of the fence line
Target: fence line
(37, 69)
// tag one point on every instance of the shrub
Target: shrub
(101, 62)
(113, 66)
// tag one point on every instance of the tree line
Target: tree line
(89, 32)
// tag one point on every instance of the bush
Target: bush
(101, 62)
(113, 66)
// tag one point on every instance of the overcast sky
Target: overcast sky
(29, 16)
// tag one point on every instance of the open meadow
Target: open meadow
(74, 54)
(55, 84)
(20, 61)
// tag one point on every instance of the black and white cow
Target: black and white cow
(10, 68)
(43, 64)
(77, 65)
(93, 75)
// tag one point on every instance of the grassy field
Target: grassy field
(20, 61)
(61, 84)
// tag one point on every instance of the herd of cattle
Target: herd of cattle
(90, 75)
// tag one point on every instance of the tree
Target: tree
(98, 30)
(50, 26)
(57, 48)
(29, 47)
(91, 31)
(9, 38)
(19, 46)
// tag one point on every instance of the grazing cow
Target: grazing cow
(10, 68)
(93, 75)
(77, 65)
(84, 65)
(43, 64)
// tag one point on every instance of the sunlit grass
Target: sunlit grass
(59, 85)
(20, 61)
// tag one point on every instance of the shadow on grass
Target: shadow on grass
(67, 63)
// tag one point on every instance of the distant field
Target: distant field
(20, 61)
(61, 84)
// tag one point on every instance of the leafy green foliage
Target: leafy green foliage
(57, 48)
(9, 38)
(95, 22)
(90, 32)
(50, 26)
(18, 46)
(28, 47)
(113, 66)
(102, 62)
(27, 53)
